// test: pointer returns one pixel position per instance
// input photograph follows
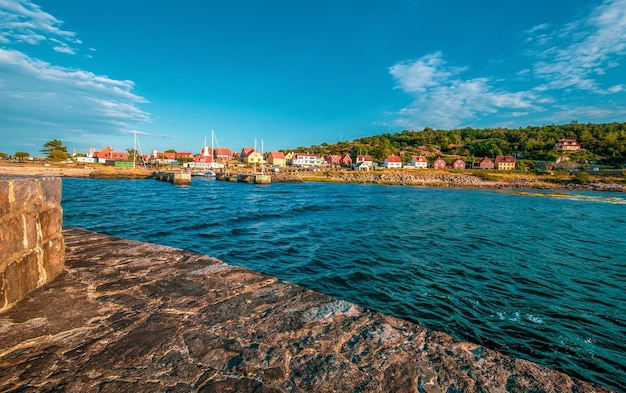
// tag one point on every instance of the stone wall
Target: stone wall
(32, 251)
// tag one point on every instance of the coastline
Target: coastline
(424, 178)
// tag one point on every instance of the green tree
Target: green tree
(22, 155)
(183, 160)
(55, 150)
(2, 155)
(581, 177)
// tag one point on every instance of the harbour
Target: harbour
(476, 264)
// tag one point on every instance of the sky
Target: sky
(298, 73)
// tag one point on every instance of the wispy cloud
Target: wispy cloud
(593, 46)
(568, 59)
(442, 98)
(21, 21)
(40, 100)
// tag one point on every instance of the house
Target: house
(108, 154)
(222, 153)
(458, 164)
(392, 162)
(439, 163)
(338, 159)
(277, 158)
(485, 163)
(250, 155)
(363, 166)
(418, 162)
(567, 145)
(306, 160)
(289, 158)
(345, 160)
(184, 154)
(505, 163)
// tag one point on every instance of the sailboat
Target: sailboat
(213, 165)
(261, 178)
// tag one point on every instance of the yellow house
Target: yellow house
(288, 158)
(505, 163)
(253, 158)
(277, 158)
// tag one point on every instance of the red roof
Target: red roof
(419, 159)
(277, 155)
(505, 159)
(393, 159)
(361, 158)
(247, 151)
(222, 152)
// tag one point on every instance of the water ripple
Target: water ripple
(538, 278)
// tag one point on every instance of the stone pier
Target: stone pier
(136, 317)
(177, 178)
(31, 241)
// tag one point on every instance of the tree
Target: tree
(55, 150)
(132, 153)
(21, 155)
(2, 155)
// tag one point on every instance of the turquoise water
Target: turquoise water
(538, 278)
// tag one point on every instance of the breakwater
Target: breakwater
(131, 316)
(176, 178)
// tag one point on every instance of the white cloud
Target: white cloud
(21, 21)
(566, 65)
(592, 47)
(37, 98)
(442, 99)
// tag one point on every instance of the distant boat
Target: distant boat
(206, 174)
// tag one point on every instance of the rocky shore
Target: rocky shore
(462, 180)
(427, 178)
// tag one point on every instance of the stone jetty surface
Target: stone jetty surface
(126, 316)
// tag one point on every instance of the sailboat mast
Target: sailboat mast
(135, 150)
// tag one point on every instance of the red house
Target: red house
(458, 164)
(567, 144)
(222, 154)
(486, 163)
(439, 163)
(108, 154)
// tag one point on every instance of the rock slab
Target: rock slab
(128, 316)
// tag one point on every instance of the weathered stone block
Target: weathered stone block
(51, 188)
(26, 192)
(21, 277)
(3, 302)
(4, 197)
(54, 257)
(51, 222)
(11, 235)
(29, 223)
(31, 239)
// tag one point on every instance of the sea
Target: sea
(536, 275)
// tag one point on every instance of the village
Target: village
(218, 158)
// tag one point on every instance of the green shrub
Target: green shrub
(581, 177)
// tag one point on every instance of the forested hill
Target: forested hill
(599, 142)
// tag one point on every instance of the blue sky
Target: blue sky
(297, 73)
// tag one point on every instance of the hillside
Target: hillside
(601, 143)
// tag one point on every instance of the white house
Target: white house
(417, 162)
(392, 162)
(306, 160)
